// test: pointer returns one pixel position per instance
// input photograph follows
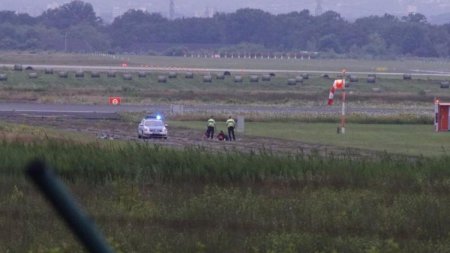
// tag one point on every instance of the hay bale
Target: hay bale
(111, 74)
(142, 74)
(272, 74)
(376, 90)
(63, 74)
(238, 79)
(79, 74)
(29, 68)
(18, 67)
(305, 76)
(127, 77)
(299, 79)
(326, 76)
(172, 75)
(407, 76)
(220, 76)
(266, 78)
(254, 78)
(371, 79)
(189, 75)
(48, 71)
(207, 78)
(95, 74)
(227, 73)
(3, 77)
(32, 75)
(445, 84)
(292, 81)
(162, 79)
(354, 79)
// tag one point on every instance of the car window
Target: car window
(153, 123)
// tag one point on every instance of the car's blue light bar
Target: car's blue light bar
(157, 116)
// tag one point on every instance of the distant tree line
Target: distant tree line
(76, 27)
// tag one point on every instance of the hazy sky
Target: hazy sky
(348, 8)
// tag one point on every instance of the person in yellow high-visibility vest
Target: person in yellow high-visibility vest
(211, 124)
(230, 126)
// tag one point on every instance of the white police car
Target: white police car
(152, 126)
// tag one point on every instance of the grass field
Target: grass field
(393, 138)
(387, 89)
(151, 199)
(325, 65)
(56, 58)
(51, 88)
(336, 65)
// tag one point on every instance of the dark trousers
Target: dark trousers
(210, 132)
(231, 133)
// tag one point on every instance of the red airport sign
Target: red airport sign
(114, 100)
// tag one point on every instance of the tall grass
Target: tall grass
(139, 162)
(149, 198)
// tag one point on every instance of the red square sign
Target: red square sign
(114, 100)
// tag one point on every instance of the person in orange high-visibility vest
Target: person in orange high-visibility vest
(230, 126)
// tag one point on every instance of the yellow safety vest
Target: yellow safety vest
(211, 123)
(230, 123)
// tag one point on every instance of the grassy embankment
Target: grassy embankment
(151, 199)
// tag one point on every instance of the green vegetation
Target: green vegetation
(380, 67)
(352, 65)
(287, 117)
(75, 27)
(148, 198)
(411, 139)
(314, 91)
(151, 199)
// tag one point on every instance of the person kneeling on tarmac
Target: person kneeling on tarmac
(222, 136)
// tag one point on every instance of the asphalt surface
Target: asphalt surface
(248, 70)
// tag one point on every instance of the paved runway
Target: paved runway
(248, 70)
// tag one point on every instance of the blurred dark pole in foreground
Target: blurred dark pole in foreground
(61, 199)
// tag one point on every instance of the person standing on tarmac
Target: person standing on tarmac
(230, 125)
(210, 130)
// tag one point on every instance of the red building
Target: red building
(441, 113)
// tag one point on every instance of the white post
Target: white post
(240, 124)
(436, 115)
(343, 113)
(343, 105)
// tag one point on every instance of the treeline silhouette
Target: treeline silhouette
(75, 27)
